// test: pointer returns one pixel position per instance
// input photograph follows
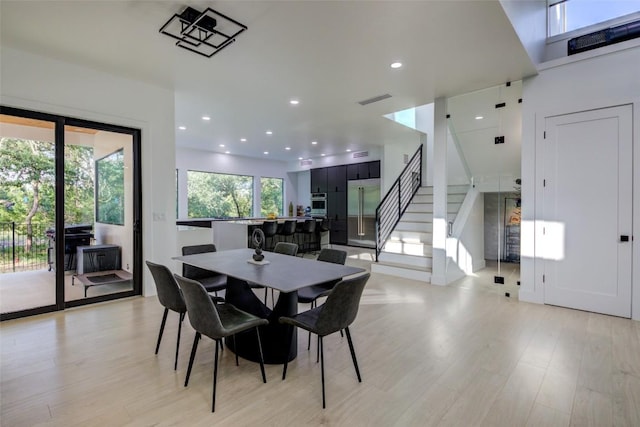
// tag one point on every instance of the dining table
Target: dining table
(284, 273)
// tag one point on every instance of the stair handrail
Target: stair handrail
(399, 195)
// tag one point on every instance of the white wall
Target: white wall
(529, 20)
(206, 161)
(40, 83)
(465, 248)
(598, 82)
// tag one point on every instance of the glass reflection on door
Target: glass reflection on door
(98, 212)
(27, 214)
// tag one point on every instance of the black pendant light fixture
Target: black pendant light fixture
(205, 33)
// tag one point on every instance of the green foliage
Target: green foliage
(271, 191)
(215, 195)
(110, 189)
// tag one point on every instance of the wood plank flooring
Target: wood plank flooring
(461, 355)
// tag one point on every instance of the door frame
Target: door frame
(59, 143)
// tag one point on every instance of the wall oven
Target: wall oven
(319, 204)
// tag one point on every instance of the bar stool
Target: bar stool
(307, 232)
(288, 230)
(269, 228)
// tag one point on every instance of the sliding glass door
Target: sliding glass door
(70, 217)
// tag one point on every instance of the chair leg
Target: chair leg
(322, 368)
(286, 352)
(192, 357)
(353, 354)
(266, 293)
(236, 349)
(215, 379)
(164, 320)
(175, 364)
(264, 376)
(313, 305)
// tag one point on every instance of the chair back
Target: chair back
(269, 228)
(289, 227)
(325, 225)
(169, 292)
(203, 316)
(341, 307)
(286, 248)
(309, 226)
(335, 256)
(192, 272)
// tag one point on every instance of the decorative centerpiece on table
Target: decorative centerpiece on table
(257, 238)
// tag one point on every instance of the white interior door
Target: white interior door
(587, 206)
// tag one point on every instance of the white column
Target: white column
(439, 268)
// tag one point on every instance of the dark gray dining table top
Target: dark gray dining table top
(285, 273)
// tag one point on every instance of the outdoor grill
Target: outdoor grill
(74, 236)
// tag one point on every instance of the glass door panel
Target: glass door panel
(27, 214)
(98, 212)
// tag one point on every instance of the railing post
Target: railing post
(13, 245)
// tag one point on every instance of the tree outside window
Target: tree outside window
(216, 195)
(272, 196)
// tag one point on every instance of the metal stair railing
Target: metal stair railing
(395, 202)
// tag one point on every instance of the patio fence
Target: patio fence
(15, 253)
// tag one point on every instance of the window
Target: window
(568, 15)
(272, 196)
(110, 188)
(216, 195)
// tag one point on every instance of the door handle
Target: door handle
(624, 238)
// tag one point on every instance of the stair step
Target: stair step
(412, 236)
(453, 207)
(428, 198)
(406, 260)
(423, 275)
(407, 248)
(419, 226)
(423, 216)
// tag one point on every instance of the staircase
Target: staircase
(407, 252)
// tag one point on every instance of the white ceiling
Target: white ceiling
(327, 54)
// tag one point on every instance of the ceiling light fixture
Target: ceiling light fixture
(206, 118)
(314, 142)
(243, 139)
(294, 102)
(182, 127)
(300, 158)
(205, 33)
(479, 117)
(221, 145)
(323, 154)
(348, 150)
(227, 152)
(269, 132)
(287, 148)
(266, 152)
(396, 65)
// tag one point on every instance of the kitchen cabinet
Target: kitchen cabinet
(337, 179)
(363, 170)
(338, 232)
(337, 206)
(319, 180)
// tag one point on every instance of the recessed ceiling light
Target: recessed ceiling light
(287, 148)
(243, 139)
(396, 65)
(227, 152)
(300, 158)
(221, 145)
(348, 150)
(294, 102)
(266, 152)
(182, 127)
(323, 154)
(269, 132)
(479, 117)
(207, 118)
(314, 142)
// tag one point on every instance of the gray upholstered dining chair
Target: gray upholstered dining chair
(283, 248)
(310, 294)
(212, 281)
(216, 321)
(337, 313)
(170, 297)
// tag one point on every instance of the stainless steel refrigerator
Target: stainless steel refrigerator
(363, 198)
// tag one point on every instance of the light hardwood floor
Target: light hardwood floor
(459, 355)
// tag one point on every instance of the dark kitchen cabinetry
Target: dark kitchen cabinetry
(337, 214)
(365, 170)
(337, 179)
(319, 180)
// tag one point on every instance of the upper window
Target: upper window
(568, 15)
(217, 195)
(272, 196)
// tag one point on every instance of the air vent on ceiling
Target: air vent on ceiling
(374, 99)
(360, 154)
(604, 38)
(307, 162)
